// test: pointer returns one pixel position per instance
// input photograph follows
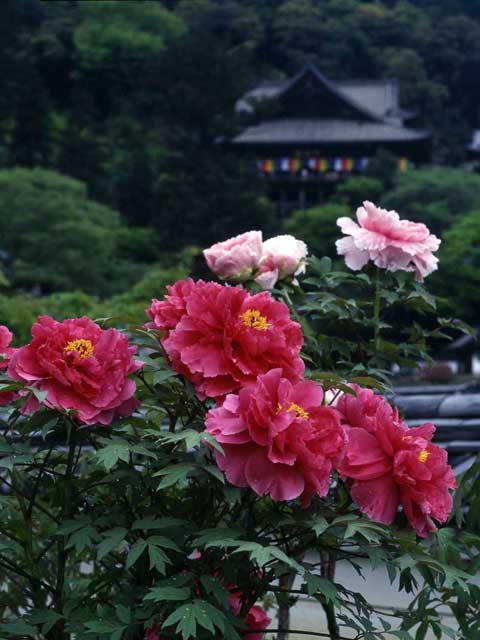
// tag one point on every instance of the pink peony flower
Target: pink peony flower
(389, 464)
(360, 410)
(389, 242)
(256, 617)
(283, 257)
(166, 314)
(6, 352)
(227, 337)
(237, 258)
(277, 438)
(81, 366)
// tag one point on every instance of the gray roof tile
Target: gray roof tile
(311, 131)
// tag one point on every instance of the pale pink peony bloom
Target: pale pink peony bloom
(278, 439)
(283, 257)
(80, 366)
(236, 259)
(6, 352)
(388, 464)
(390, 243)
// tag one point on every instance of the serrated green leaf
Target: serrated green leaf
(174, 474)
(135, 553)
(103, 626)
(162, 541)
(158, 559)
(19, 629)
(113, 539)
(109, 455)
(186, 619)
(168, 593)
(157, 523)
(208, 616)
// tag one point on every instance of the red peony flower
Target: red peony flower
(81, 366)
(152, 633)
(167, 313)
(277, 438)
(256, 617)
(226, 338)
(359, 410)
(389, 464)
(6, 352)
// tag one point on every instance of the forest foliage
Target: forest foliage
(117, 110)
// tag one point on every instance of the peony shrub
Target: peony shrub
(178, 495)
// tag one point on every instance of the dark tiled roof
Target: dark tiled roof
(309, 131)
(378, 97)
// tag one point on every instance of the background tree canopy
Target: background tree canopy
(111, 114)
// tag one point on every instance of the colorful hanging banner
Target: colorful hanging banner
(321, 165)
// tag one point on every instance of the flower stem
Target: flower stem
(376, 312)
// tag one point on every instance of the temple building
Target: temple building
(316, 132)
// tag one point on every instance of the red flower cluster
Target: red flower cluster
(80, 366)
(277, 438)
(6, 352)
(221, 338)
(388, 464)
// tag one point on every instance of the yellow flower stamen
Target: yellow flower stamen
(279, 408)
(423, 455)
(83, 347)
(254, 319)
(301, 413)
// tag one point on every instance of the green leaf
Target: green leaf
(319, 525)
(83, 538)
(46, 617)
(173, 474)
(162, 541)
(161, 376)
(168, 593)
(19, 629)
(157, 523)
(316, 584)
(39, 395)
(214, 587)
(109, 456)
(123, 614)
(209, 617)
(158, 559)
(209, 439)
(215, 535)
(103, 626)
(135, 553)
(215, 472)
(187, 621)
(114, 537)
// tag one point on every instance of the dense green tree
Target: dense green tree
(354, 191)
(115, 32)
(205, 198)
(54, 238)
(460, 274)
(437, 197)
(317, 227)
